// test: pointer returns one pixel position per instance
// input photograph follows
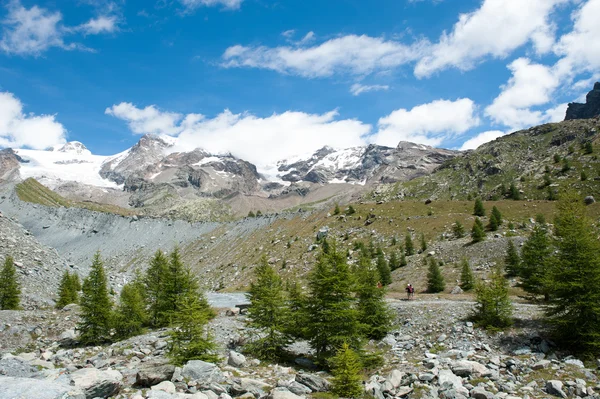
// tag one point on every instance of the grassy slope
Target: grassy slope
(33, 191)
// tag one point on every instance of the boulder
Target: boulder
(449, 378)
(542, 364)
(15, 387)
(481, 393)
(314, 382)
(154, 373)
(282, 393)
(96, 383)
(298, 389)
(395, 378)
(15, 367)
(456, 290)
(466, 368)
(165, 386)
(554, 387)
(236, 359)
(202, 371)
(589, 200)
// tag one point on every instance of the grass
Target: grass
(34, 192)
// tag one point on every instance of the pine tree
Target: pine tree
(477, 232)
(75, 285)
(155, 282)
(435, 279)
(423, 243)
(467, 281)
(383, 268)
(251, 214)
(190, 338)
(535, 260)
(347, 381)
(67, 290)
(496, 216)
(478, 209)
(130, 316)
(180, 282)
(373, 312)
(512, 260)
(268, 312)
(336, 211)
(96, 307)
(10, 289)
(409, 248)
(394, 261)
(514, 192)
(588, 148)
(350, 210)
(403, 261)
(296, 321)
(493, 224)
(574, 279)
(494, 308)
(331, 315)
(458, 230)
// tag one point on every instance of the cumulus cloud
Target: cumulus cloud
(496, 29)
(191, 5)
(531, 85)
(480, 139)
(262, 141)
(358, 89)
(352, 54)
(32, 31)
(19, 130)
(430, 123)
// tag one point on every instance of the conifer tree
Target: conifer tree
(435, 279)
(493, 308)
(478, 209)
(268, 312)
(297, 314)
(394, 241)
(423, 243)
(346, 368)
(383, 268)
(130, 316)
(496, 212)
(96, 307)
(574, 279)
(458, 230)
(155, 282)
(467, 281)
(394, 261)
(332, 318)
(251, 214)
(409, 247)
(512, 260)
(373, 312)
(493, 224)
(336, 211)
(75, 285)
(180, 282)
(10, 289)
(514, 192)
(350, 210)
(67, 290)
(190, 338)
(535, 260)
(477, 232)
(403, 261)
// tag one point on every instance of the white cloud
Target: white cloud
(494, 30)
(358, 89)
(191, 5)
(262, 141)
(556, 114)
(147, 120)
(531, 85)
(19, 130)
(480, 139)
(580, 48)
(101, 24)
(357, 55)
(430, 123)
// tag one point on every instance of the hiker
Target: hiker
(409, 291)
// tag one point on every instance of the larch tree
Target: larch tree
(96, 306)
(373, 312)
(10, 289)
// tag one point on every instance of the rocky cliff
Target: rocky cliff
(590, 109)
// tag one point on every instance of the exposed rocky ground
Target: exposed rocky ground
(433, 352)
(590, 109)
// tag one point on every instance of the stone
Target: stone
(153, 373)
(199, 395)
(448, 377)
(298, 389)
(403, 391)
(589, 200)
(575, 362)
(15, 367)
(159, 395)
(236, 359)
(232, 311)
(282, 393)
(554, 387)
(426, 377)
(314, 382)
(210, 394)
(395, 378)
(202, 371)
(542, 364)
(96, 383)
(166, 386)
(15, 387)
(389, 340)
(456, 290)
(466, 368)
(481, 393)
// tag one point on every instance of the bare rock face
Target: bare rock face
(590, 109)
(9, 165)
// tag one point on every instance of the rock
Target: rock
(575, 362)
(456, 290)
(389, 340)
(282, 393)
(96, 383)
(426, 377)
(466, 368)
(395, 378)
(232, 311)
(590, 109)
(210, 395)
(589, 200)
(554, 387)
(202, 371)
(403, 391)
(236, 359)
(159, 395)
(15, 367)
(481, 393)
(448, 377)
(25, 388)
(298, 389)
(314, 382)
(542, 364)
(165, 386)
(153, 373)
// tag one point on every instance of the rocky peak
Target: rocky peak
(74, 147)
(590, 109)
(9, 165)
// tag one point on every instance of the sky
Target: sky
(270, 79)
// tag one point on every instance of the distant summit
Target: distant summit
(74, 147)
(590, 109)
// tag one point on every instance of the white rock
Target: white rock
(166, 386)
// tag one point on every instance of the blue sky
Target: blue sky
(258, 77)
